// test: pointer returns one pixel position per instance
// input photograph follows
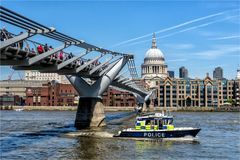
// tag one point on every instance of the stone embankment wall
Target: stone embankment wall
(39, 108)
(200, 109)
(123, 108)
(62, 108)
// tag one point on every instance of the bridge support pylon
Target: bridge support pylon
(90, 112)
(145, 101)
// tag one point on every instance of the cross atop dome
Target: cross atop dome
(154, 53)
(154, 42)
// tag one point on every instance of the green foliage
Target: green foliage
(231, 101)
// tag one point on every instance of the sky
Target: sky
(200, 35)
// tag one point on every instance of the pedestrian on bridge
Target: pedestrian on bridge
(46, 48)
(40, 49)
(61, 55)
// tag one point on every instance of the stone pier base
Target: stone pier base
(90, 113)
(146, 107)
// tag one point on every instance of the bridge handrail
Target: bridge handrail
(16, 19)
(7, 33)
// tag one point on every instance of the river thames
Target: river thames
(44, 135)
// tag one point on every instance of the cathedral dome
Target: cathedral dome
(154, 52)
(154, 63)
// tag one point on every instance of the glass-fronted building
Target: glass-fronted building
(195, 92)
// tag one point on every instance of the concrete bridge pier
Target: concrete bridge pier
(146, 106)
(90, 111)
(145, 100)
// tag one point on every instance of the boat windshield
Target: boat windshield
(154, 122)
(165, 121)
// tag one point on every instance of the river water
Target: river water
(45, 135)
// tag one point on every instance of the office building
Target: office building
(218, 73)
(183, 72)
(171, 74)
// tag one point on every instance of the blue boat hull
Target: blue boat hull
(159, 133)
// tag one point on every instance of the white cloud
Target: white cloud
(207, 33)
(180, 46)
(183, 30)
(218, 51)
(198, 26)
(226, 37)
(171, 28)
(177, 60)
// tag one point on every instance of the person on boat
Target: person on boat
(160, 124)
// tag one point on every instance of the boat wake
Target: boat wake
(102, 134)
(188, 139)
(97, 134)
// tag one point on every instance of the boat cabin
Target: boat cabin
(155, 121)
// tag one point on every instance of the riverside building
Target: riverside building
(10, 89)
(52, 94)
(38, 76)
(17, 87)
(183, 91)
(57, 94)
(196, 92)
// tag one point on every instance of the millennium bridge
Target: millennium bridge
(89, 76)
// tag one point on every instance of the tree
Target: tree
(231, 101)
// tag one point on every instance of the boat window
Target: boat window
(152, 122)
(170, 121)
(160, 123)
(164, 121)
(148, 122)
(155, 122)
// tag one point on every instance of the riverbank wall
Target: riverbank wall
(124, 108)
(200, 109)
(62, 108)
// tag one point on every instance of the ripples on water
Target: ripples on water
(43, 135)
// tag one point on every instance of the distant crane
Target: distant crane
(11, 74)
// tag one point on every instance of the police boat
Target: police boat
(157, 125)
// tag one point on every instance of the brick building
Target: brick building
(52, 94)
(57, 94)
(113, 97)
